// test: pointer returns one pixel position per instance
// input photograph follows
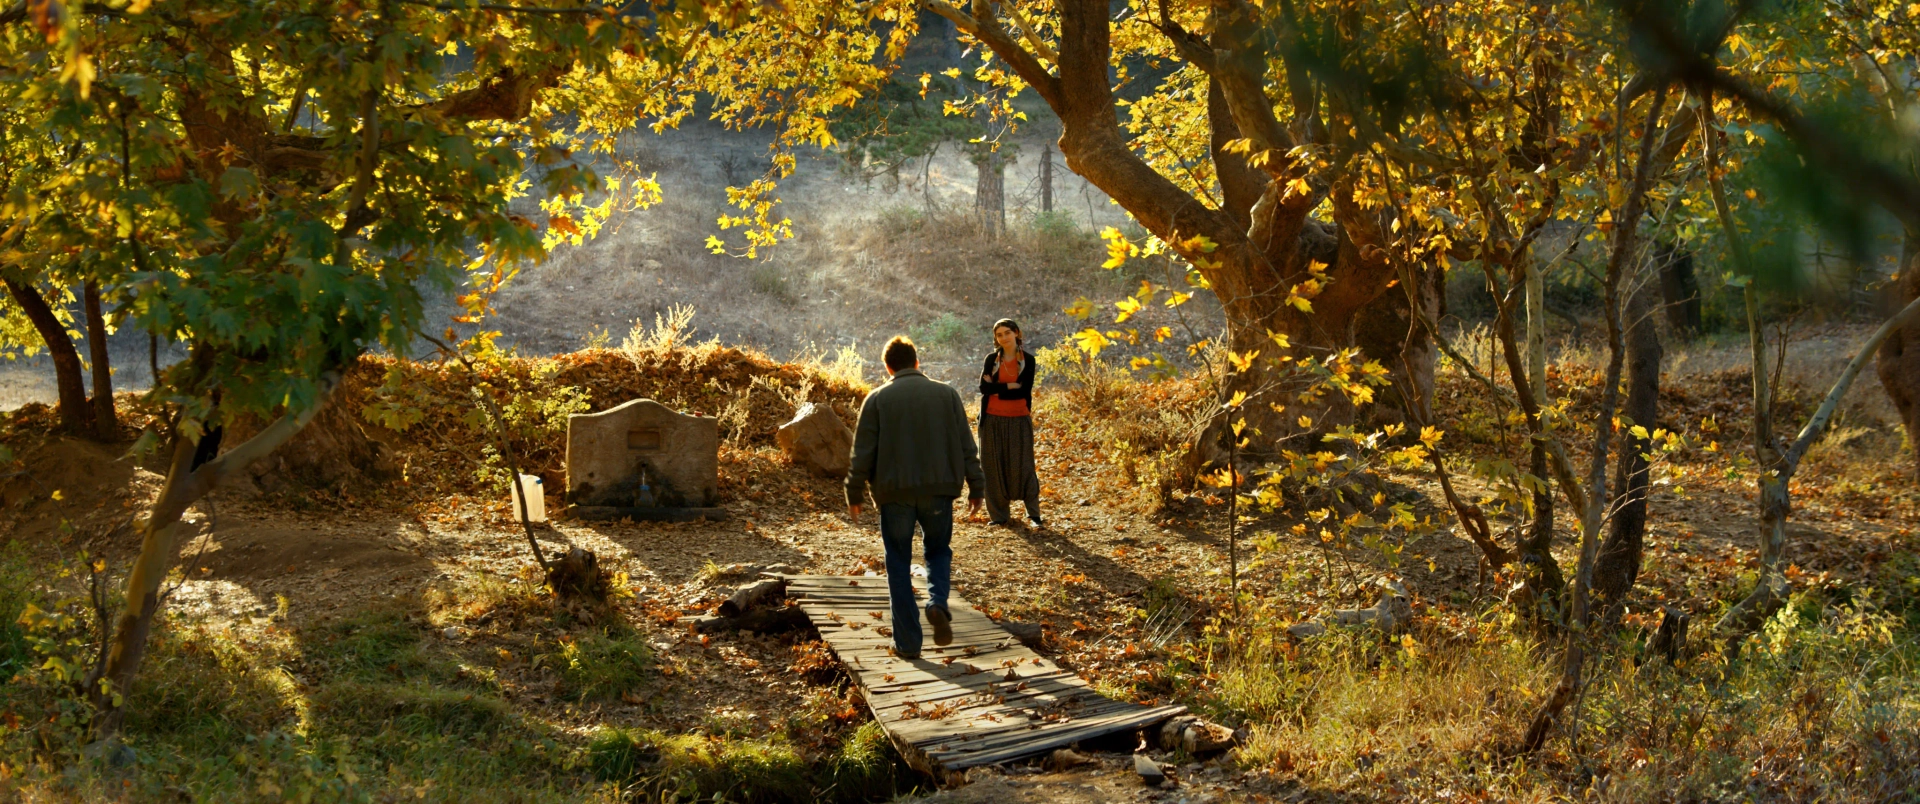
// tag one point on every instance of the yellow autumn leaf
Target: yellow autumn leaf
(1118, 248)
(1091, 341)
(1242, 362)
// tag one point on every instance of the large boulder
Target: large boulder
(610, 455)
(817, 439)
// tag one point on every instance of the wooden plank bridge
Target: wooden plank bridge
(982, 700)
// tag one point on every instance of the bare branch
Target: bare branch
(1817, 426)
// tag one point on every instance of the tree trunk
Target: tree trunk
(990, 194)
(1680, 288)
(1536, 551)
(1625, 251)
(1619, 563)
(1542, 577)
(1046, 179)
(1774, 471)
(1382, 326)
(184, 486)
(1898, 362)
(75, 416)
(106, 425)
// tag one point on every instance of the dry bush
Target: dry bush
(1143, 427)
(445, 441)
(1350, 707)
(1819, 707)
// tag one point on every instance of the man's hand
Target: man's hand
(853, 511)
(973, 506)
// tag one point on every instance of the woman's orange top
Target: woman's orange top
(1009, 372)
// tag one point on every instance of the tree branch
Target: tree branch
(1241, 186)
(1186, 44)
(1023, 62)
(1697, 68)
(513, 9)
(1817, 426)
(1040, 48)
(1562, 466)
(1240, 64)
(208, 477)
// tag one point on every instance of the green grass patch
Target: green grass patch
(204, 688)
(602, 666)
(487, 598)
(386, 643)
(863, 767)
(371, 709)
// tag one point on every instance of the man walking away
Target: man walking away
(913, 448)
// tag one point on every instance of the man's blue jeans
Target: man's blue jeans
(935, 517)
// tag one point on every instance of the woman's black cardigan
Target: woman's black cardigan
(1000, 389)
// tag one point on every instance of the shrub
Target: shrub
(1061, 245)
(942, 334)
(16, 591)
(1145, 428)
(602, 666)
(898, 221)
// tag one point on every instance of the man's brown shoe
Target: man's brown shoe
(942, 625)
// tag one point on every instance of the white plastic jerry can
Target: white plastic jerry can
(536, 492)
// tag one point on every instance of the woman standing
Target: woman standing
(1006, 426)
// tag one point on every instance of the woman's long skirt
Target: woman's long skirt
(1006, 455)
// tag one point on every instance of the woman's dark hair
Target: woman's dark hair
(1019, 340)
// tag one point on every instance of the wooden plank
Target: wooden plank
(1022, 700)
(1012, 738)
(985, 717)
(962, 760)
(1053, 682)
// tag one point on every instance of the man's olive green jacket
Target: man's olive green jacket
(913, 443)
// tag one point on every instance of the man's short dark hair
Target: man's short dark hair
(900, 354)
